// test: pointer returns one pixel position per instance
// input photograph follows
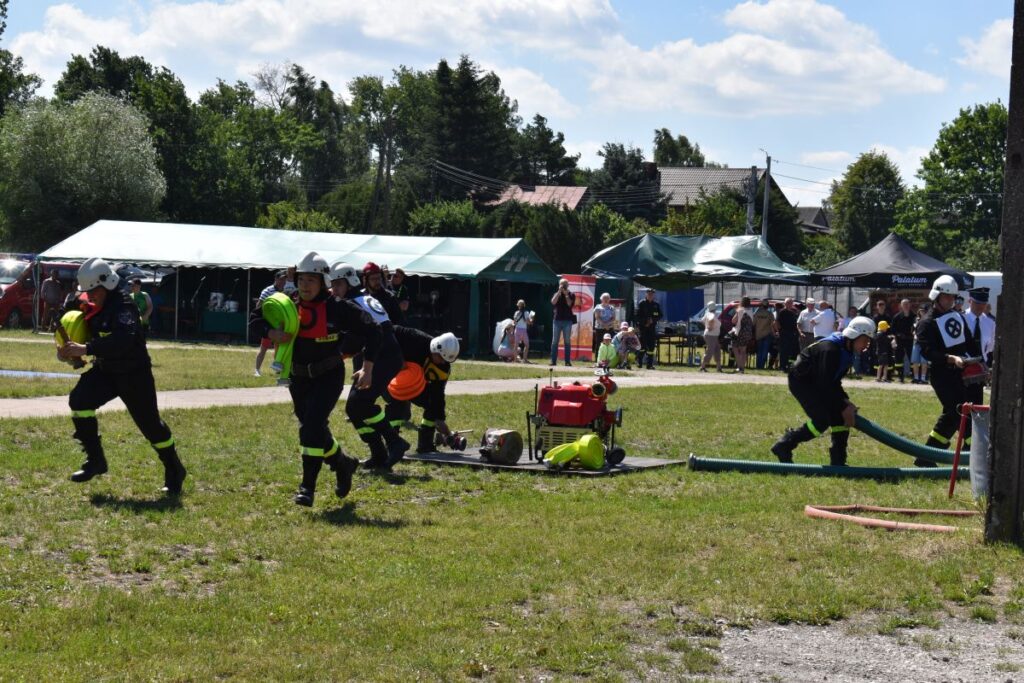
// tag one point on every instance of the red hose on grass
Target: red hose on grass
(835, 512)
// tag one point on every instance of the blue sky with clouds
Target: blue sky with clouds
(813, 82)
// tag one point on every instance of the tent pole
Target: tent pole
(248, 300)
(473, 333)
(177, 299)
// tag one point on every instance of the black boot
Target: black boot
(934, 443)
(311, 465)
(784, 447)
(345, 467)
(396, 445)
(87, 434)
(425, 440)
(837, 452)
(378, 459)
(174, 471)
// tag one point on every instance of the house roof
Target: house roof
(215, 246)
(814, 220)
(683, 184)
(570, 196)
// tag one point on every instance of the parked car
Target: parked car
(19, 291)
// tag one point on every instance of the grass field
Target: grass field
(204, 367)
(450, 574)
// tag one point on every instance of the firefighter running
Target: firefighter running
(122, 369)
(434, 356)
(318, 373)
(816, 382)
(946, 341)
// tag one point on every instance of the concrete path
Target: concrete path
(50, 406)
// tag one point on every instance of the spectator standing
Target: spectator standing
(743, 333)
(903, 333)
(712, 346)
(918, 365)
(824, 321)
(883, 351)
(523, 318)
(858, 358)
(648, 313)
(563, 319)
(144, 304)
(788, 332)
(981, 326)
(764, 332)
(804, 324)
(401, 291)
(604, 321)
(51, 293)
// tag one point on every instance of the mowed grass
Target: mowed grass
(180, 366)
(450, 574)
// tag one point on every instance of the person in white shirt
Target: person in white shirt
(804, 324)
(979, 325)
(523, 318)
(824, 321)
(712, 347)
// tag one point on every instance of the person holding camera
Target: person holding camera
(562, 301)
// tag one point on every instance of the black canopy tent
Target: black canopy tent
(890, 264)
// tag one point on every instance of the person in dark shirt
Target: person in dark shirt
(435, 356)
(816, 382)
(401, 292)
(789, 334)
(373, 284)
(945, 341)
(563, 319)
(122, 369)
(903, 331)
(648, 313)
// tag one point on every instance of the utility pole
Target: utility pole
(767, 186)
(1003, 519)
(751, 199)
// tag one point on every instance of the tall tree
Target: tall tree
(963, 183)
(65, 166)
(627, 184)
(864, 201)
(16, 86)
(542, 156)
(477, 123)
(676, 151)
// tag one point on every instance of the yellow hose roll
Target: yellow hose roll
(75, 325)
(280, 311)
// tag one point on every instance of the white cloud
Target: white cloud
(533, 93)
(907, 159)
(227, 36)
(785, 56)
(990, 54)
(826, 158)
(588, 151)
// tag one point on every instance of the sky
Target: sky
(813, 83)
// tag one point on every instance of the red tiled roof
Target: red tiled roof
(570, 197)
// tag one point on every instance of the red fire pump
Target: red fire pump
(564, 413)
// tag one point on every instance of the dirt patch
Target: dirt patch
(855, 651)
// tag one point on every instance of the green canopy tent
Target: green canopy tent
(684, 261)
(176, 245)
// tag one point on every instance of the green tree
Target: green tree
(16, 86)
(288, 216)
(446, 219)
(865, 200)
(822, 251)
(376, 107)
(560, 238)
(961, 197)
(612, 226)
(626, 184)
(717, 215)
(542, 156)
(64, 167)
(348, 204)
(977, 254)
(676, 151)
(476, 126)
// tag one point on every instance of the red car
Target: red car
(17, 280)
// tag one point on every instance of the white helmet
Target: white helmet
(94, 273)
(944, 284)
(861, 326)
(343, 270)
(446, 346)
(314, 264)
